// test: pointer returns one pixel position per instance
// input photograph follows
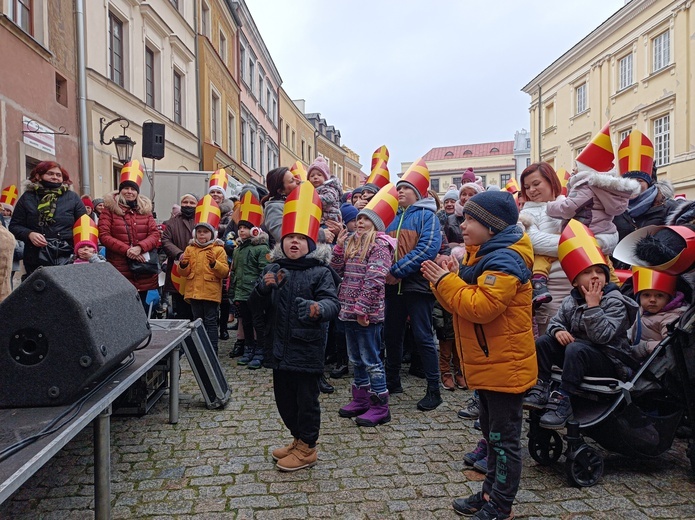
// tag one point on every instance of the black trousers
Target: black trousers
(207, 311)
(297, 399)
(576, 360)
(181, 308)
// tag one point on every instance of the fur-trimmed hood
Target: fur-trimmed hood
(27, 185)
(260, 239)
(607, 181)
(216, 242)
(226, 206)
(144, 204)
(323, 253)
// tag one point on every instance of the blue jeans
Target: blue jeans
(419, 307)
(363, 344)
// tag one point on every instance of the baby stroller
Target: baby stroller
(637, 418)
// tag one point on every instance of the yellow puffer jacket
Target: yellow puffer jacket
(202, 281)
(491, 305)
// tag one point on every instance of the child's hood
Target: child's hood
(388, 239)
(216, 242)
(334, 182)
(260, 239)
(323, 253)
(510, 238)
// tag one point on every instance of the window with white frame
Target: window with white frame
(294, 141)
(21, 14)
(504, 179)
(578, 150)
(662, 140)
(205, 20)
(244, 147)
(242, 60)
(116, 38)
(580, 95)
(261, 153)
(625, 72)
(549, 120)
(260, 90)
(231, 133)
(178, 98)
(223, 48)
(303, 156)
(661, 51)
(434, 184)
(287, 135)
(624, 134)
(274, 112)
(215, 117)
(528, 162)
(268, 100)
(252, 148)
(150, 85)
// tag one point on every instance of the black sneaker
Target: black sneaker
(541, 294)
(325, 386)
(559, 412)
(432, 399)
(224, 335)
(469, 506)
(490, 512)
(537, 397)
(237, 349)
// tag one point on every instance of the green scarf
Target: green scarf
(47, 203)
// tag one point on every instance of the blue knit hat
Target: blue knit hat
(349, 212)
(494, 209)
(356, 191)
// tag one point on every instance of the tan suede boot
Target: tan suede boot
(281, 453)
(302, 456)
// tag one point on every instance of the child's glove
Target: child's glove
(308, 310)
(184, 261)
(212, 259)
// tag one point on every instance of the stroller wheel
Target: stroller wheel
(586, 467)
(545, 447)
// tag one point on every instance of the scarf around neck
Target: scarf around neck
(48, 199)
(640, 204)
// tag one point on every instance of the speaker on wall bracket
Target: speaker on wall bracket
(153, 140)
(62, 329)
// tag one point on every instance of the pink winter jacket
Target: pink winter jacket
(655, 327)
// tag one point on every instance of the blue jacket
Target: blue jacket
(419, 237)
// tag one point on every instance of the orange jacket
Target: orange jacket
(202, 281)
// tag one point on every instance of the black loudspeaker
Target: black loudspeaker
(153, 140)
(62, 329)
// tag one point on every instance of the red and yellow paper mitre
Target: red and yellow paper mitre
(417, 176)
(636, 154)
(578, 250)
(645, 279)
(564, 176)
(598, 155)
(85, 231)
(207, 212)
(132, 171)
(249, 210)
(625, 250)
(298, 170)
(178, 281)
(380, 154)
(382, 207)
(380, 176)
(9, 196)
(302, 212)
(512, 186)
(218, 181)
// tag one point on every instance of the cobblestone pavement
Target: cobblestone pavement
(217, 464)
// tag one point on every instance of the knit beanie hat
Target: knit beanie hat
(320, 165)
(468, 176)
(87, 201)
(494, 209)
(471, 186)
(451, 195)
(348, 212)
(355, 192)
(492, 187)
(96, 202)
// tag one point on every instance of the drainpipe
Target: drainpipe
(197, 87)
(540, 119)
(82, 98)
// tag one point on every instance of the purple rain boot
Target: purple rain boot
(378, 413)
(359, 403)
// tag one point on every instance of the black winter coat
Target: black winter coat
(291, 341)
(25, 219)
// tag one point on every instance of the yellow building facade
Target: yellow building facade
(296, 133)
(353, 175)
(636, 70)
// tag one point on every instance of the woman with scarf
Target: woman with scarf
(44, 216)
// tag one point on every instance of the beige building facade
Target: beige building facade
(327, 141)
(635, 70)
(353, 176)
(492, 162)
(296, 133)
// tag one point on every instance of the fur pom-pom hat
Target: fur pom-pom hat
(668, 249)
(321, 165)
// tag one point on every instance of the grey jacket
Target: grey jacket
(605, 326)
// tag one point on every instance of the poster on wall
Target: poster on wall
(38, 135)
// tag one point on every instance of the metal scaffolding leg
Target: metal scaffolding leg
(102, 465)
(174, 380)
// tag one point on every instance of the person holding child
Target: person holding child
(85, 236)
(204, 266)
(363, 260)
(297, 291)
(489, 296)
(589, 333)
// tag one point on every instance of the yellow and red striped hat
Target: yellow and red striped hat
(645, 279)
(417, 177)
(512, 186)
(8, 197)
(564, 176)
(598, 155)
(207, 214)
(249, 210)
(298, 170)
(636, 157)
(379, 177)
(380, 154)
(578, 250)
(218, 181)
(131, 175)
(178, 281)
(302, 212)
(85, 232)
(382, 208)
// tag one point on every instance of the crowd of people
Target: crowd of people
(485, 290)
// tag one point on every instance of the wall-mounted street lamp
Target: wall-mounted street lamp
(124, 144)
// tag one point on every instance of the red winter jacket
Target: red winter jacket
(114, 236)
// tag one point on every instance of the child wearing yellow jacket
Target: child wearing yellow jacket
(204, 265)
(491, 306)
